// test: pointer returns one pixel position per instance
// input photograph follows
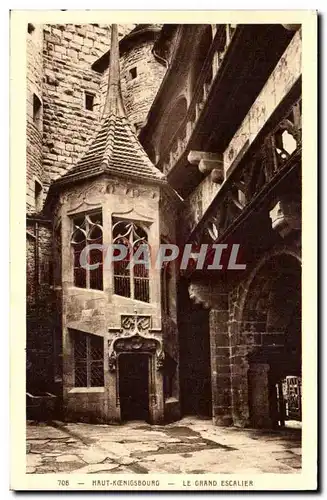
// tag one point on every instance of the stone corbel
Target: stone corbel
(286, 217)
(208, 295)
(208, 163)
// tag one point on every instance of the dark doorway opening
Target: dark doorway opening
(195, 368)
(134, 386)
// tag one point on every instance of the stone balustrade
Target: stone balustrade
(286, 73)
(212, 208)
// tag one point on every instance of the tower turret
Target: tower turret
(141, 72)
(114, 316)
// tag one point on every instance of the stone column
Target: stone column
(67, 282)
(259, 395)
(220, 366)
(156, 401)
(213, 298)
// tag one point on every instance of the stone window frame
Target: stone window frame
(92, 95)
(89, 278)
(38, 194)
(37, 111)
(88, 358)
(131, 282)
(132, 73)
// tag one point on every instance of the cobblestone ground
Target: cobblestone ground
(191, 446)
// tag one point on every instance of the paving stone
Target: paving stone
(67, 467)
(93, 455)
(294, 462)
(39, 441)
(124, 470)
(126, 460)
(141, 447)
(94, 468)
(68, 458)
(183, 448)
(33, 460)
(114, 449)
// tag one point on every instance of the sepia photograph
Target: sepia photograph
(164, 253)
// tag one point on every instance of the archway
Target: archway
(268, 345)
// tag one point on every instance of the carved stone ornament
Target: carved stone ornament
(135, 336)
(285, 217)
(160, 360)
(85, 198)
(112, 361)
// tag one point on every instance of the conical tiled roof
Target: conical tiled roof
(115, 149)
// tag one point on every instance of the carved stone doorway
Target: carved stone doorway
(134, 386)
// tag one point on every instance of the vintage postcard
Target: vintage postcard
(163, 250)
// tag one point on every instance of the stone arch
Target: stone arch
(293, 252)
(263, 323)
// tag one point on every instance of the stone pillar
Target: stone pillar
(156, 400)
(220, 366)
(113, 403)
(67, 282)
(259, 395)
(239, 383)
(211, 297)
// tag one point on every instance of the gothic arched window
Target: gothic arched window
(131, 280)
(88, 230)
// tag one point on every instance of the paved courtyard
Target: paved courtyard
(191, 446)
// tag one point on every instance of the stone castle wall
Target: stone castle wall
(138, 93)
(69, 51)
(34, 128)
(59, 60)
